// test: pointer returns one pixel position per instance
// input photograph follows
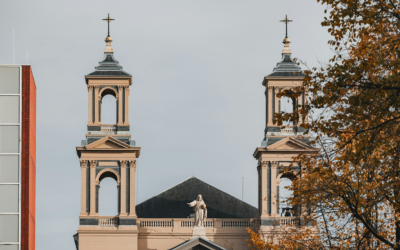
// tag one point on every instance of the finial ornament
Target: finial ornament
(108, 38)
(286, 21)
(108, 20)
(286, 41)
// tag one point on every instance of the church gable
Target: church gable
(289, 144)
(198, 243)
(172, 203)
(107, 142)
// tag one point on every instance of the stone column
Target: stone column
(90, 102)
(126, 105)
(274, 166)
(93, 164)
(96, 105)
(300, 102)
(97, 198)
(264, 189)
(270, 114)
(123, 188)
(120, 104)
(83, 186)
(305, 103)
(132, 199)
(119, 198)
(277, 99)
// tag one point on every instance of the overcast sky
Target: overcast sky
(196, 102)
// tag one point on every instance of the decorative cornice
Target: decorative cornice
(264, 164)
(123, 164)
(132, 164)
(83, 163)
(93, 163)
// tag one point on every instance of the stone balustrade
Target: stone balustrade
(108, 221)
(288, 129)
(108, 128)
(189, 223)
(288, 221)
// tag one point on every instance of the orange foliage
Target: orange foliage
(353, 184)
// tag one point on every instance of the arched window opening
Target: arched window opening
(108, 110)
(284, 194)
(286, 105)
(108, 195)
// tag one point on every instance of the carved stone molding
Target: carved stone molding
(132, 164)
(93, 163)
(127, 89)
(96, 88)
(90, 87)
(274, 164)
(123, 164)
(83, 163)
(270, 88)
(264, 164)
(120, 87)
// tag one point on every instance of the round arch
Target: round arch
(108, 91)
(289, 175)
(108, 172)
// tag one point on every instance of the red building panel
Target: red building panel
(28, 160)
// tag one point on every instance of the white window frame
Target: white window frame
(19, 156)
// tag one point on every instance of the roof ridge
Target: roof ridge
(166, 190)
(191, 177)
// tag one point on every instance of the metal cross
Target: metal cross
(108, 20)
(286, 21)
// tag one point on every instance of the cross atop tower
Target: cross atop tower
(108, 20)
(286, 21)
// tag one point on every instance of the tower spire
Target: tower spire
(286, 41)
(108, 20)
(108, 38)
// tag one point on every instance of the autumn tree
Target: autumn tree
(353, 183)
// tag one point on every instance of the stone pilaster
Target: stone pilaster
(123, 188)
(93, 165)
(84, 164)
(132, 188)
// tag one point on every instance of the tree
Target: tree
(353, 183)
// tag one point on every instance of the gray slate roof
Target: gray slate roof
(109, 67)
(286, 68)
(172, 203)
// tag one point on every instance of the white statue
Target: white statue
(199, 207)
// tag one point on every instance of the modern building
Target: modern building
(17, 157)
(165, 221)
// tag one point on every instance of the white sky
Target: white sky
(196, 102)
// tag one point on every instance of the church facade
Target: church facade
(167, 220)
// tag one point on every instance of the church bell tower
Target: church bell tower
(108, 152)
(281, 143)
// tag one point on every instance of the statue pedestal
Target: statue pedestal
(199, 232)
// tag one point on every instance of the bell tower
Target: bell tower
(280, 143)
(108, 152)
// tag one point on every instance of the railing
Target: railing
(186, 223)
(289, 221)
(236, 224)
(108, 128)
(156, 223)
(288, 129)
(108, 221)
(189, 223)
